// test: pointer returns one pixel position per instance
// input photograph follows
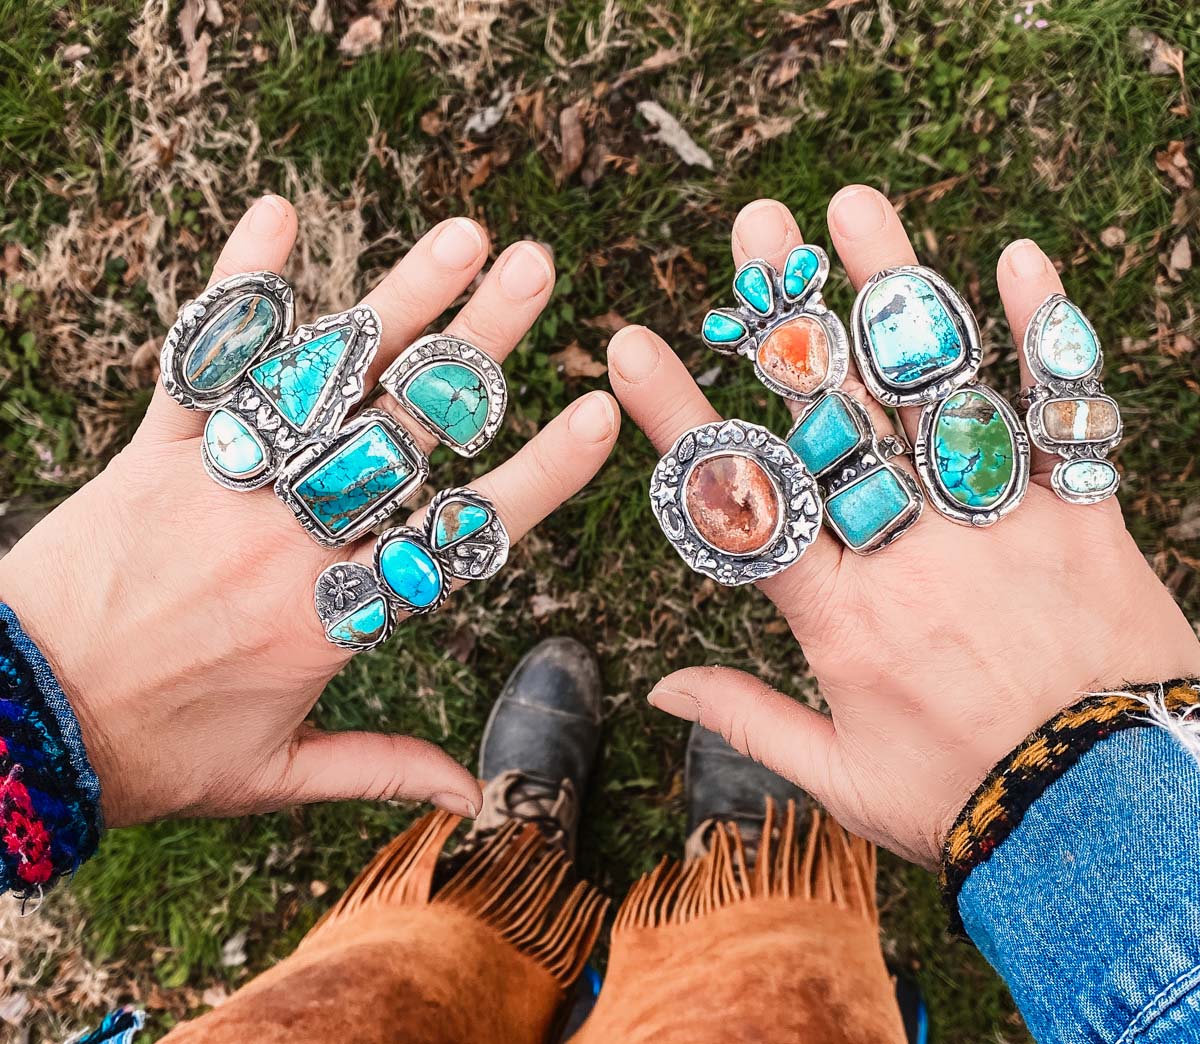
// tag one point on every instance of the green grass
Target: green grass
(1050, 134)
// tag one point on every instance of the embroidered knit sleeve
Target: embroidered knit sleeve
(1075, 866)
(49, 796)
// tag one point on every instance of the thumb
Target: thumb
(341, 766)
(787, 737)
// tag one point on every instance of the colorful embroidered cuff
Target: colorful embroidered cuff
(1002, 799)
(49, 796)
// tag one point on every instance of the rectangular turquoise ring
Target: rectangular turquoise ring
(872, 509)
(341, 486)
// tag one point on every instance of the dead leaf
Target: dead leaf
(541, 605)
(214, 996)
(233, 951)
(488, 118)
(1188, 526)
(573, 361)
(1180, 258)
(319, 18)
(610, 322)
(570, 131)
(660, 59)
(670, 132)
(593, 166)
(364, 34)
(195, 43)
(10, 260)
(795, 21)
(1173, 162)
(1113, 236)
(317, 889)
(431, 123)
(75, 53)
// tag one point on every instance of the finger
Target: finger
(787, 737)
(868, 236)
(261, 242)
(658, 393)
(496, 317)
(423, 284)
(1026, 278)
(369, 766)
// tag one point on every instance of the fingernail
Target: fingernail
(672, 701)
(455, 803)
(858, 212)
(457, 244)
(763, 227)
(525, 272)
(633, 353)
(1026, 260)
(268, 216)
(592, 418)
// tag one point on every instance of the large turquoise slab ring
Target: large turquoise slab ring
(915, 339)
(1068, 412)
(798, 346)
(735, 501)
(301, 390)
(972, 455)
(454, 390)
(869, 503)
(217, 337)
(352, 607)
(342, 485)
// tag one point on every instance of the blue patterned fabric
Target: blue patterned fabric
(50, 819)
(1090, 908)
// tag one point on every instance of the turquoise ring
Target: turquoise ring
(915, 339)
(798, 346)
(352, 607)
(869, 502)
(1068, 412)
(455, 391)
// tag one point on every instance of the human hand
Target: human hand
(940, 654)
(178, 616)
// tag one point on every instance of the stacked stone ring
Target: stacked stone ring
(1068, 412)
(462, 538)
(798, 346)
(869, 502)
(917, 344)
(452, 389)
(735, 501)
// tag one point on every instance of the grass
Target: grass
(986, 130)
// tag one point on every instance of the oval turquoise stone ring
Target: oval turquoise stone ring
(455, 391)
(915, 339)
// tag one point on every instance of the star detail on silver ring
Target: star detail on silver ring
(339, 587)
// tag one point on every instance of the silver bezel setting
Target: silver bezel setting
(1050, 388)
(785, 308)
(279, 435)
(300, 464)
(196, 315)
(946, 381)
(925, 459)
(799, 501)
(342, 589)
(478, 556)
(416, 536)
(429, 351)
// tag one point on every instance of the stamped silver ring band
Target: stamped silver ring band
(462, 538)
(1068, 413)
(735, 501)
(799, 347)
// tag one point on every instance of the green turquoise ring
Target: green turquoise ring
(455, 391)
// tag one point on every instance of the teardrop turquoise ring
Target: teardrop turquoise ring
(455, 391)
(1068, 412)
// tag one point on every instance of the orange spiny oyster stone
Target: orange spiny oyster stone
(733, 503)
(796, 354)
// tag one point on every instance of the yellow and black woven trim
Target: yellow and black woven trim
(1001, 801)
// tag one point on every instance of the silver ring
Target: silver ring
(217, 337)
(352, 607)
(798, 346)
(735, 501)
(915, 339)
(301, 390)
(454, 390)
(869, 503)
(341, 485)
(1067, 410)
(972, 455)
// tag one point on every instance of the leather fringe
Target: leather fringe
(517, 885)
(827, 866)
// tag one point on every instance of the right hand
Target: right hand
(940, 654)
